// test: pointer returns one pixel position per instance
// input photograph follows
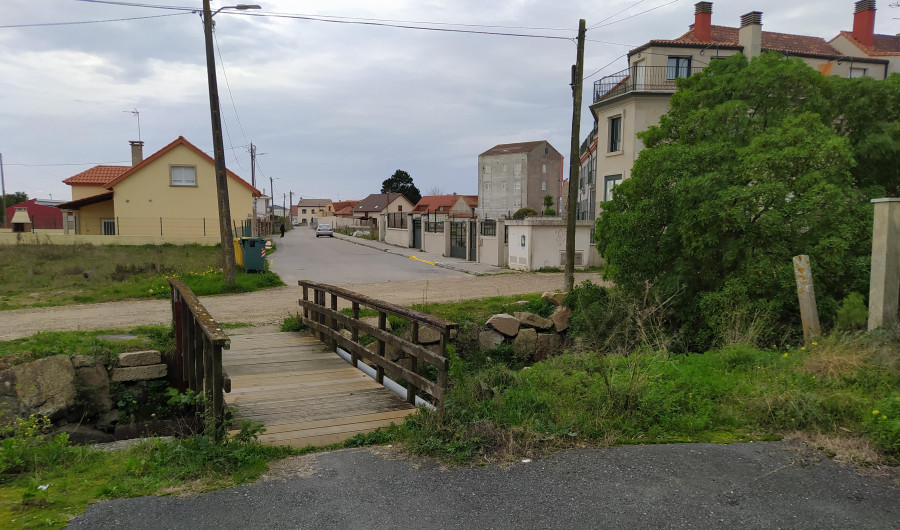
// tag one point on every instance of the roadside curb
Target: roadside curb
(377, 245)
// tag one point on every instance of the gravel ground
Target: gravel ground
(272, 305)
(742, 485)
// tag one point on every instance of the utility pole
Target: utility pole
(2, 194)
(291, 202)
(272, 199)
(219, 152)
(574, 159)
(253, 183)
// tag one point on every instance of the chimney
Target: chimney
(703, 21)
(137, 152)
(864, 22)
(750, 34)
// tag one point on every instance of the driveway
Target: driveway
(742, 485)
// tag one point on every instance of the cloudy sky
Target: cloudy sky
(334, 108)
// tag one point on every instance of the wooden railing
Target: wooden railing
(324, 319)
(197, 365)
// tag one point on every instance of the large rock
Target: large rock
(525, 342)
(139, 373)
(93, 385)
(554, 298)
(139, 358)
(489, 339)
(42, 387)
(505, 324)
(428, 335)
(560, 318)
(530, 320)
(547, 345)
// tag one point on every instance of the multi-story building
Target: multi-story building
(307, 209)
(512, 176)
(632, 100)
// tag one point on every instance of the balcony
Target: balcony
(640, 79)
(586, 144)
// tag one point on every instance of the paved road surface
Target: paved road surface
(303, 256)
(753, 485)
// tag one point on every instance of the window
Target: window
(503, 185)
(610, 183)
(399, 207)
(615, 134)
(856, 73)
(543, 185)
(108, 227)
(487, 185)
(183, 175)
(678, 67)
(505, 168)
(518, 185)
(487, 170)
(304, 210)
(518, 168)
(517, 203)
(486, 203)
(546, 150)
(544, 168)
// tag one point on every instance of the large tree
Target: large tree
(401, 182)
(754, 163)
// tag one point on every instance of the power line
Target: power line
(80, 22)
(617, 14)
(636, 14)
(72, 164)
(228, 87)
(139, 4)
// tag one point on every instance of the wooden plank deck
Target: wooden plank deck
(303, 393)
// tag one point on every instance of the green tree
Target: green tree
(749, 167)
(401, 182)
(522, 213)
(548, 205)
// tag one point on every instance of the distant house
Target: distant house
(309, 209)
(512, 176)
(168, 195)
(42, 214)
(377, 203)
(441, 207)
(344, 208)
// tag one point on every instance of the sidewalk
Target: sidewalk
(455, 264)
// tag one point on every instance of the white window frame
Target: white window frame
(614, 145)
(608, 189)
(487, 186)
(180, 180)
(105, 225)
(518, 185)
(543, 185)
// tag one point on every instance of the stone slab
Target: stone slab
(139, 358)
(505, 324)
(139, 373)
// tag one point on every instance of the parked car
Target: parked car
(324, 230)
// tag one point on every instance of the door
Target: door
(458, 239)
(417, 233)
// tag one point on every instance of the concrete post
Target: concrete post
(409, 230)
(502, 249)
(884, 283)
(807, 296)
(446, 238)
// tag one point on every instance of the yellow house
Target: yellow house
(167, 196)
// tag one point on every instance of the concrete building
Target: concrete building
(308, 209)
(633, 99)
(512, 176)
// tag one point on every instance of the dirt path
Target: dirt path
(272, 305)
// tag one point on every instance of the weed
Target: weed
(293, 323)
(853, 313)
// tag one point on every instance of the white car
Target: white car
(324, 230)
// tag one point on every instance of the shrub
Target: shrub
(883, 424)
(524, 212)
(293, 323)
(853, 313)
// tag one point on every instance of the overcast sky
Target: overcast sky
(335, 108)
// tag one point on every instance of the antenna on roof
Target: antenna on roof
(136, 114)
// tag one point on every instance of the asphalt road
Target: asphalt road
(303, 256)
(747, 485)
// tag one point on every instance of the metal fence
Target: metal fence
(489, 227)
(641, 79)
(396, 220)
(434, 227)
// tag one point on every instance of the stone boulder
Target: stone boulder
(525, 342)
(547, 345)
(489, 339)
(42, 387)
(93, 386)
(428, 335)
(530, 320)
(560, 318)
(139, 373)
(554, 298)
(139, 358)
(508, 325)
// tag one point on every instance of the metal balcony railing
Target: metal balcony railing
(640, 79)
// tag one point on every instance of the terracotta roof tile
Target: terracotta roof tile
(341, 205)
(436, 203)
(96, 176)
(781, 42)
(885, 45)
(307, 203)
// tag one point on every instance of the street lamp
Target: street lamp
(218, 145)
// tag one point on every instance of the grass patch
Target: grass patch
(479, 310)
(90, 343)
(53, 275)
(293, 323)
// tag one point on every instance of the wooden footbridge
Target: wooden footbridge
(295, 383)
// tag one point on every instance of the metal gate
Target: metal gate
(458, 239)
(473, 241)
(417, 233)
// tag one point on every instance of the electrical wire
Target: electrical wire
(636, 14)
(80, 22)
(138, 4)
(71, 164)
(231, 96)
(639, 2)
